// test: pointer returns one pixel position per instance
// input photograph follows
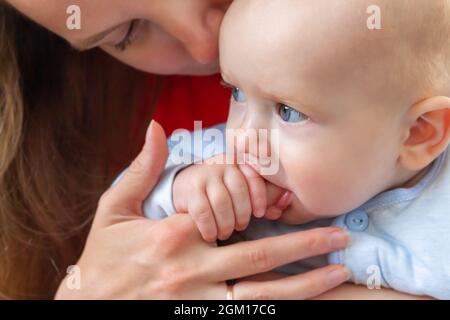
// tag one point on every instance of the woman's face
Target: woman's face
(156, 36)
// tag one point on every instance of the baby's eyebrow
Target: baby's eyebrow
(276, 97)
(291, 101)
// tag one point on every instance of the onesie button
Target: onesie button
(357, 220)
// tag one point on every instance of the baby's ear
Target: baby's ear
(428, 133)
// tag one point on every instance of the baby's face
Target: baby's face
(314, 72)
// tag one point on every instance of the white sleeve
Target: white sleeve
(159, 203)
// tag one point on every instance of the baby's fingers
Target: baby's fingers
(222, 207)
(237, 186)
(200, 210)
(257, 188)
(275, 211)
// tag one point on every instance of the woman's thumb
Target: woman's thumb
(137, 182)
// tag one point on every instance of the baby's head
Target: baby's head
(358, 111)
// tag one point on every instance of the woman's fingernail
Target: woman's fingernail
(149, 131)
(338, 276)
(339, 239)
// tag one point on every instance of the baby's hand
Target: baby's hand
(221, 198)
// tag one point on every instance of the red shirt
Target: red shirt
(184, 100)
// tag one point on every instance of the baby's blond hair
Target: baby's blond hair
(422, 31)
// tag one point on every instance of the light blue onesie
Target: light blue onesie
(400, 238)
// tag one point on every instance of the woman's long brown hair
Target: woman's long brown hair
(66, 121)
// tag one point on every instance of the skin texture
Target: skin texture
(127, 256)
(168, 259)
(369, 125)
(222, 197)
(173, 36)
(365, 129)
(138, 266)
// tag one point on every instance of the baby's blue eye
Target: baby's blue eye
(288, 114)
(238, 95)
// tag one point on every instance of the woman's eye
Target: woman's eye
(238, 95)
(289, 114)
(129, 36)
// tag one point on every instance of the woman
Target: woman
(66, 125)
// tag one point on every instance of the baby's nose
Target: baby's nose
(253, 119)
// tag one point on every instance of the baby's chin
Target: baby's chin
(319, 209)
(297, 214)
(294, 214)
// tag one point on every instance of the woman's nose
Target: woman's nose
(202, 42)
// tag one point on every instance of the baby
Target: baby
(362, 117)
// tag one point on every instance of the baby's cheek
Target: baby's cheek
(327, 189)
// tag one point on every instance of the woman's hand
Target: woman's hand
(129, 257)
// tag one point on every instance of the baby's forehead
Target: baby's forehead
(297, 24)
(342, 19)
(318, 41)
(325, 40)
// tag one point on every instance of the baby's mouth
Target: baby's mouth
(284, 198)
